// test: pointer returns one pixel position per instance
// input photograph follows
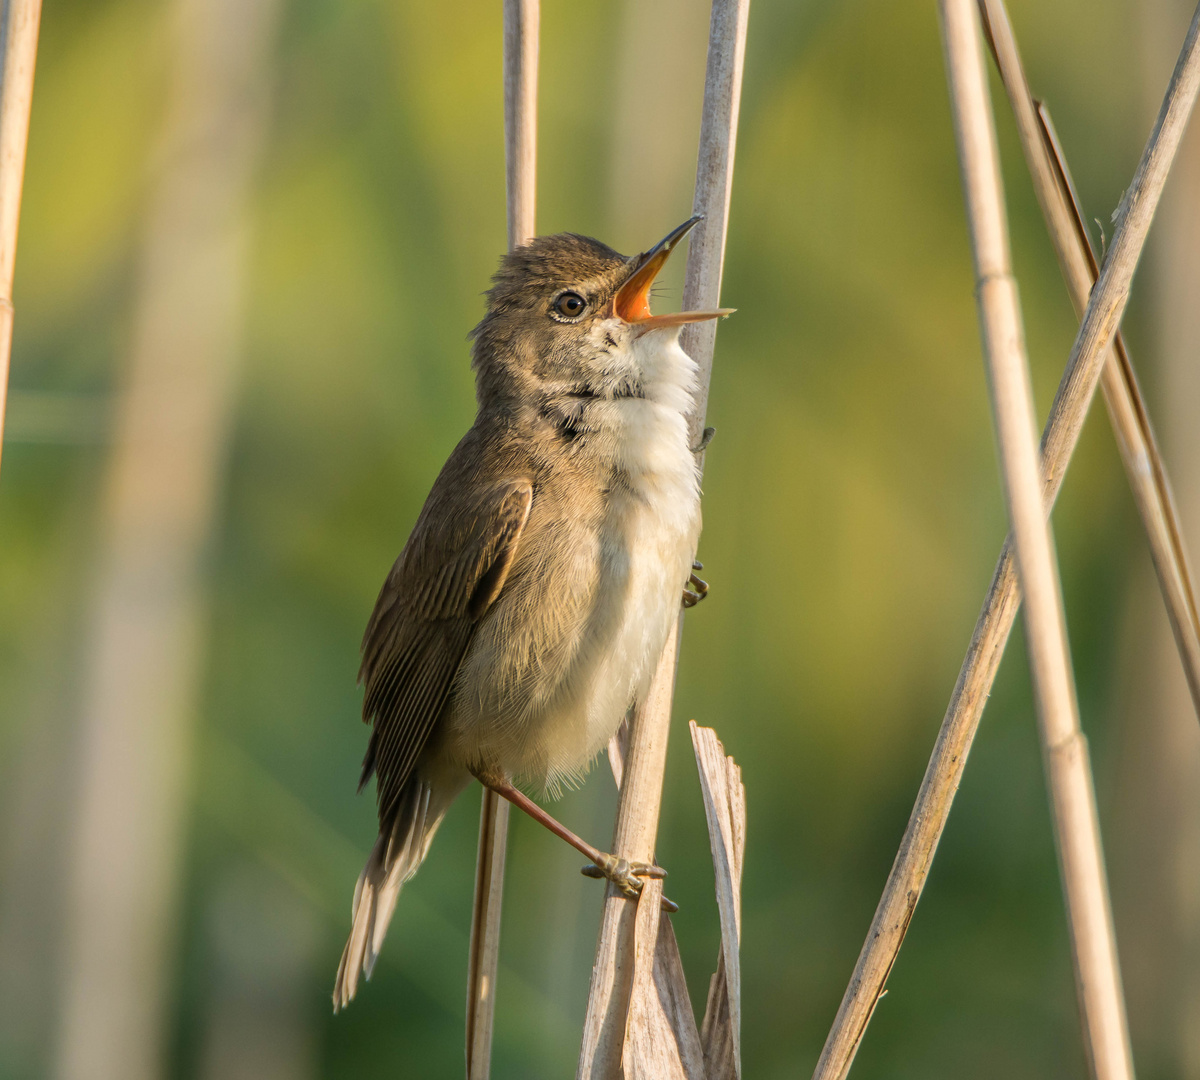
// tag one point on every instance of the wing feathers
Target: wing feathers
(449, 574)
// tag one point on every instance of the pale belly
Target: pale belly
(645, 558)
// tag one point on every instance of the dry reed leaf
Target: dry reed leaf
(725, 811)
(716, 1032)
(618, 748)
(661, 1040)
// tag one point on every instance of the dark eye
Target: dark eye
(570, 305)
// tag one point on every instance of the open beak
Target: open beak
(632, 302)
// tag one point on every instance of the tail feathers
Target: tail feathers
(394, 859)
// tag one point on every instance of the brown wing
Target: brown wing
(451, 570)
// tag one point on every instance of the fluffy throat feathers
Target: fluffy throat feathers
(649, 366)
(651, 374)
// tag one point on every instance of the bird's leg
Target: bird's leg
(621, 872)
(698, 588)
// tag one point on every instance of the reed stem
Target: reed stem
(521, 24)
(641, 789)
(1069, 774)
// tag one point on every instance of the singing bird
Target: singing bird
(531, 604)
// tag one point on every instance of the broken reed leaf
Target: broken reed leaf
(673, 994)
(661, 1040)
(618, 750)
(725, 811)
(716, 1032)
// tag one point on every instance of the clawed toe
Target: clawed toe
(698, 591)
(626, 876)
(641, 870)
(705, 439)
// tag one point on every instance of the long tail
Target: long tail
(397, 854)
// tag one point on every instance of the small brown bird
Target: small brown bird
(530, 606)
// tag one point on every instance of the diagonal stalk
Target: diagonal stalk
(1126, 408)
(1106, 304)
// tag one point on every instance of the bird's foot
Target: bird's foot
(705, 438)
(626, 876)
(696, 588)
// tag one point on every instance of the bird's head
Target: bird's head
(566, 313)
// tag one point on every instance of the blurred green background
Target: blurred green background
(852, 518)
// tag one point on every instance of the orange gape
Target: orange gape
(632, 302)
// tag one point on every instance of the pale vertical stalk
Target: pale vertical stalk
(21, 19)
(521, 19)
(1155, 857)
(484, 956)
(144, 638)
(940, 783)
(1073, 801)
(641, 789)
(520, 117)
(1126, 409)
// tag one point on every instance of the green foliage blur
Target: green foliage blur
(852, 513)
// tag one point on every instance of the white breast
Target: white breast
(647, 543)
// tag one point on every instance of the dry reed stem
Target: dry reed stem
(1126, 407)
(978, 671)
(725, 811)
(521, 23)
(484, 955)
(641, 790)
(16, 96)
(1069, 774)
(633, 839)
